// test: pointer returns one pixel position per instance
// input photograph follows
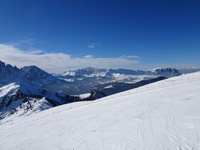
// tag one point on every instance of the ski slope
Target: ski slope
(161, 116)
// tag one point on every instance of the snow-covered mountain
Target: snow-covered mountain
(84, 72)
(31, 75)
(91, 72)
(167, 72)
(23, 99)
(89, 79)
(159, 116)
(26, 99)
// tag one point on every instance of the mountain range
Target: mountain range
(80, 81)
(30, 89)
(92, 79)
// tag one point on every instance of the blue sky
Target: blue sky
(112, 33)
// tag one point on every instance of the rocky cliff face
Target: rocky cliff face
(8, 73)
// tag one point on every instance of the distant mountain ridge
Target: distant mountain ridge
(94, 79)
(168, 72)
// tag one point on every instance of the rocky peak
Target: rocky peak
(2, 64)
(169, 72)
(33, 72)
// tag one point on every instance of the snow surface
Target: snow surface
(86, 95)
(161, 116)
(8, 89)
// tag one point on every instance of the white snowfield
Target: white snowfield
(161, 116)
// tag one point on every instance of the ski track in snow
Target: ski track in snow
(162, 119)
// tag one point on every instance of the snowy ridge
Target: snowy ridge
(8, 89)
(21, 99)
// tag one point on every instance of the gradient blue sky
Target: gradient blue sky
(139, 33)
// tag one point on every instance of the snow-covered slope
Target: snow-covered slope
(21, 99)
(161, 116)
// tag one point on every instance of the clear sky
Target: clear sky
(57, 35)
